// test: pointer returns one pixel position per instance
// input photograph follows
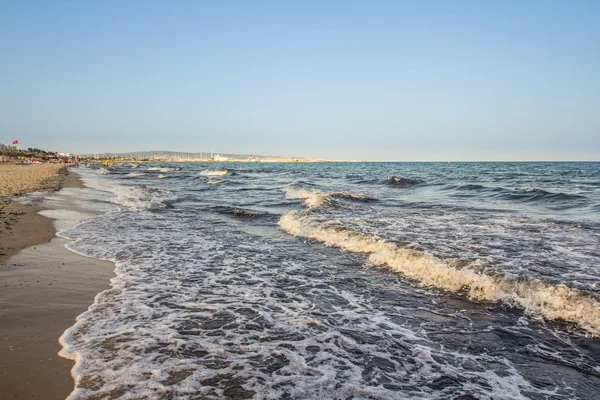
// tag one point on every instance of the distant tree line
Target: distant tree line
(40, 152)
(11, 151)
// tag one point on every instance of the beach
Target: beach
(20, 224)
(43, 286)
(367, 280)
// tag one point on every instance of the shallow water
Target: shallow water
(361, 281)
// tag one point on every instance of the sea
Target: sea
(340, 281)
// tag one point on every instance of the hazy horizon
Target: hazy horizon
(383, 81)
(175, 152)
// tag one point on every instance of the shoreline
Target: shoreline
(44, 287)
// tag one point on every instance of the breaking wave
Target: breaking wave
(315, 197)
(214, 172)
(102, 171)
(401, 182)
(139, 197)
(553, 302)
(135, 174)
(164, 169)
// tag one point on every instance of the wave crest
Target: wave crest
(139, 197)
(399, 181)
(315, 197)
(213, 172)
(554, 302)
(520, 195)
(164, 169)
(541, 195)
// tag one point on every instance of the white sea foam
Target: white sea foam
(64, 219)
(315, 197)
(138, 198)
(132, 197)
(134, 174)
(311, 197)
(164, 169)
(300, 327)
(554, 302)
(209, 172)
(146, 336)
(161, 176)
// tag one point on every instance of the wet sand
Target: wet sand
(43, 289)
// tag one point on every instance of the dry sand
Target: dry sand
(21, 225)
(16, 180)
(42, 289)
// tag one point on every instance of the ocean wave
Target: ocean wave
(316, 197)
(238, 212)
(553, 302)
(203, 321)
(137, 197)
(469, 187)
(102, 171)
(209, 172)
(401, 182)
(164, 169)
(524, 195)
(135, 174)
(533, 194)
(311, 197)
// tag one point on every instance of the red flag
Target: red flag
(16, 141)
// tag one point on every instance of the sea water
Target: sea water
(342, 281)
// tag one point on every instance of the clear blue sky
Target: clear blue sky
(376, 80)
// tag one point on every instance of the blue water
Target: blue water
(342, 281)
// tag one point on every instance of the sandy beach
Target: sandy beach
(43, 286)
(20, 224)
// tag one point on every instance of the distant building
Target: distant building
(218, 157)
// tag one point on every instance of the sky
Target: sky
(368, 80)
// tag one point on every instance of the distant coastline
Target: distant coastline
(172, 156)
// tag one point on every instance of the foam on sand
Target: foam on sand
(554, 302)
